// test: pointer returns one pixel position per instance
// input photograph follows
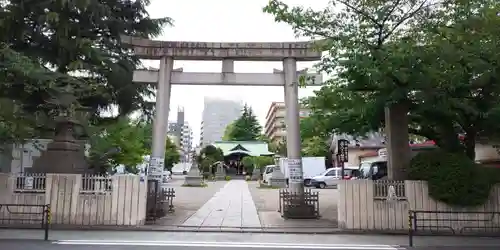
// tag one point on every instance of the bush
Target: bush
(206, 175)
(493, 173)
(452, 178)
(228, 178)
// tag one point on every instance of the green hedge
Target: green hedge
(453, 178)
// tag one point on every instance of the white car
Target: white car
(329, 177)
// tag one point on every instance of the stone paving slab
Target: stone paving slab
(188, 200)
(232, 206)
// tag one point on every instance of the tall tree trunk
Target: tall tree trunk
(398, 148)
(470, 143)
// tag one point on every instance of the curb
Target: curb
(269, 230)
(266, 230)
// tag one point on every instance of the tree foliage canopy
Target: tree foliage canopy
(49, 45)
(436, 57)
(120, 143)
(278, 147)
(21, 78)
(208, 156)
(126, 142)
(228, 132)
(245, 128)
(172, 155)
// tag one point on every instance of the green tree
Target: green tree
(82, 39)
(313, 138)
(172, 155)
(245, 128)
(315, 146)
(125, 142)
(361, 38)
(208, 156)
(227, 131)
(23, 80)
(278, 147)
(251, 162)
(262, 161)
(435, 59)
(263, 138)
(120, 143)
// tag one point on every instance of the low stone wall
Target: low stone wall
(74, 199)
(367, 205)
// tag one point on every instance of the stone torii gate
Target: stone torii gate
(166, 51)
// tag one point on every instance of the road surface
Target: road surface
(179, 245)
(118, 240)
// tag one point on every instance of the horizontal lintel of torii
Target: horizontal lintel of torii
(178, 77)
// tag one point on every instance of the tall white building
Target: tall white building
(182, 138)
(182, 135)
(217, 114)
(186, 142)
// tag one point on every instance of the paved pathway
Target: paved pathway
(232, 206)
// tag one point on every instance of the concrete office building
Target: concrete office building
(275, 128)
(217, 114)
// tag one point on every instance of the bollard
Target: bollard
(47, 222)
(410, 228)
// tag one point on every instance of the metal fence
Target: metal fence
(26, 216)
(293, 205)
(453, 223)
(384, 189)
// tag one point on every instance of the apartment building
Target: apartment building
(275, 127)
(186, 143)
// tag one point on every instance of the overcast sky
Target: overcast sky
(224, 21)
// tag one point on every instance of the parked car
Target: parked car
(375, 170)
(328, 178)
(331, 176)
(351, 173)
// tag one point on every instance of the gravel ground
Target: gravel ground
(266, 201)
